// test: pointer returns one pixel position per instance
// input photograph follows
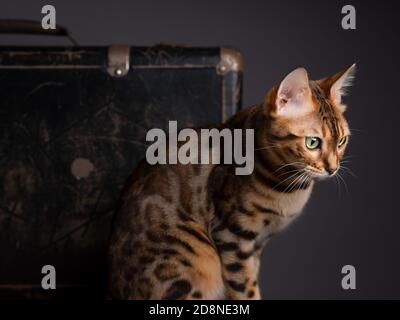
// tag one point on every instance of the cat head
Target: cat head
(307, 123)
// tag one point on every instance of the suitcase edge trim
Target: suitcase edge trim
(231, 68)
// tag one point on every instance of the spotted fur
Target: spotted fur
(197, 231)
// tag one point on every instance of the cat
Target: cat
(197, 231)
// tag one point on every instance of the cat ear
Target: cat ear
(294, 95)
(340, 82)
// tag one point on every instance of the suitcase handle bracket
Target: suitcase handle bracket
(118, 60)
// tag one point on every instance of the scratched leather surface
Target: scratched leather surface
(69, 137)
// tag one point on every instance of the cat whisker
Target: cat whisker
(293, 183)
(268, 147)
(287, 172)
(297, 183)
(288, 164)
(297, 172)
(357, 130)
(349, 171)
(349, 157)
(344, 182)
(291, 176)
(306, 180)
(338, 185)
(290, 184)
(302, 181)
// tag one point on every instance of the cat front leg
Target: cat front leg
(243, 284)
(240, 265)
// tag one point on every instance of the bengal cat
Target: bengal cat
(197, 231)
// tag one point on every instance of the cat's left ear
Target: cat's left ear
(338, 83)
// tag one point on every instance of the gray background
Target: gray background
(358, 227)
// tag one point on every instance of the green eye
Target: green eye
(342, 141)
(313, 143)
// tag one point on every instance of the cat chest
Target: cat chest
(293, 204)
(284, 204)
(285, 209)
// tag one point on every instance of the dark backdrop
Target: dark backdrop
(358, 226)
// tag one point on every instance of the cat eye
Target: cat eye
(342, 141)
(313, 143)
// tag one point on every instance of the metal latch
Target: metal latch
(118, 60)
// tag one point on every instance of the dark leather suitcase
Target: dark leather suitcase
(73, 122)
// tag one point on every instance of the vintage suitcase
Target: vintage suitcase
(73, 122)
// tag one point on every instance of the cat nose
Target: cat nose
(331, 170)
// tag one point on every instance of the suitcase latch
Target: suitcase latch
(118, 60)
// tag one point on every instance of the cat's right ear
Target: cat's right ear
(293, 97)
